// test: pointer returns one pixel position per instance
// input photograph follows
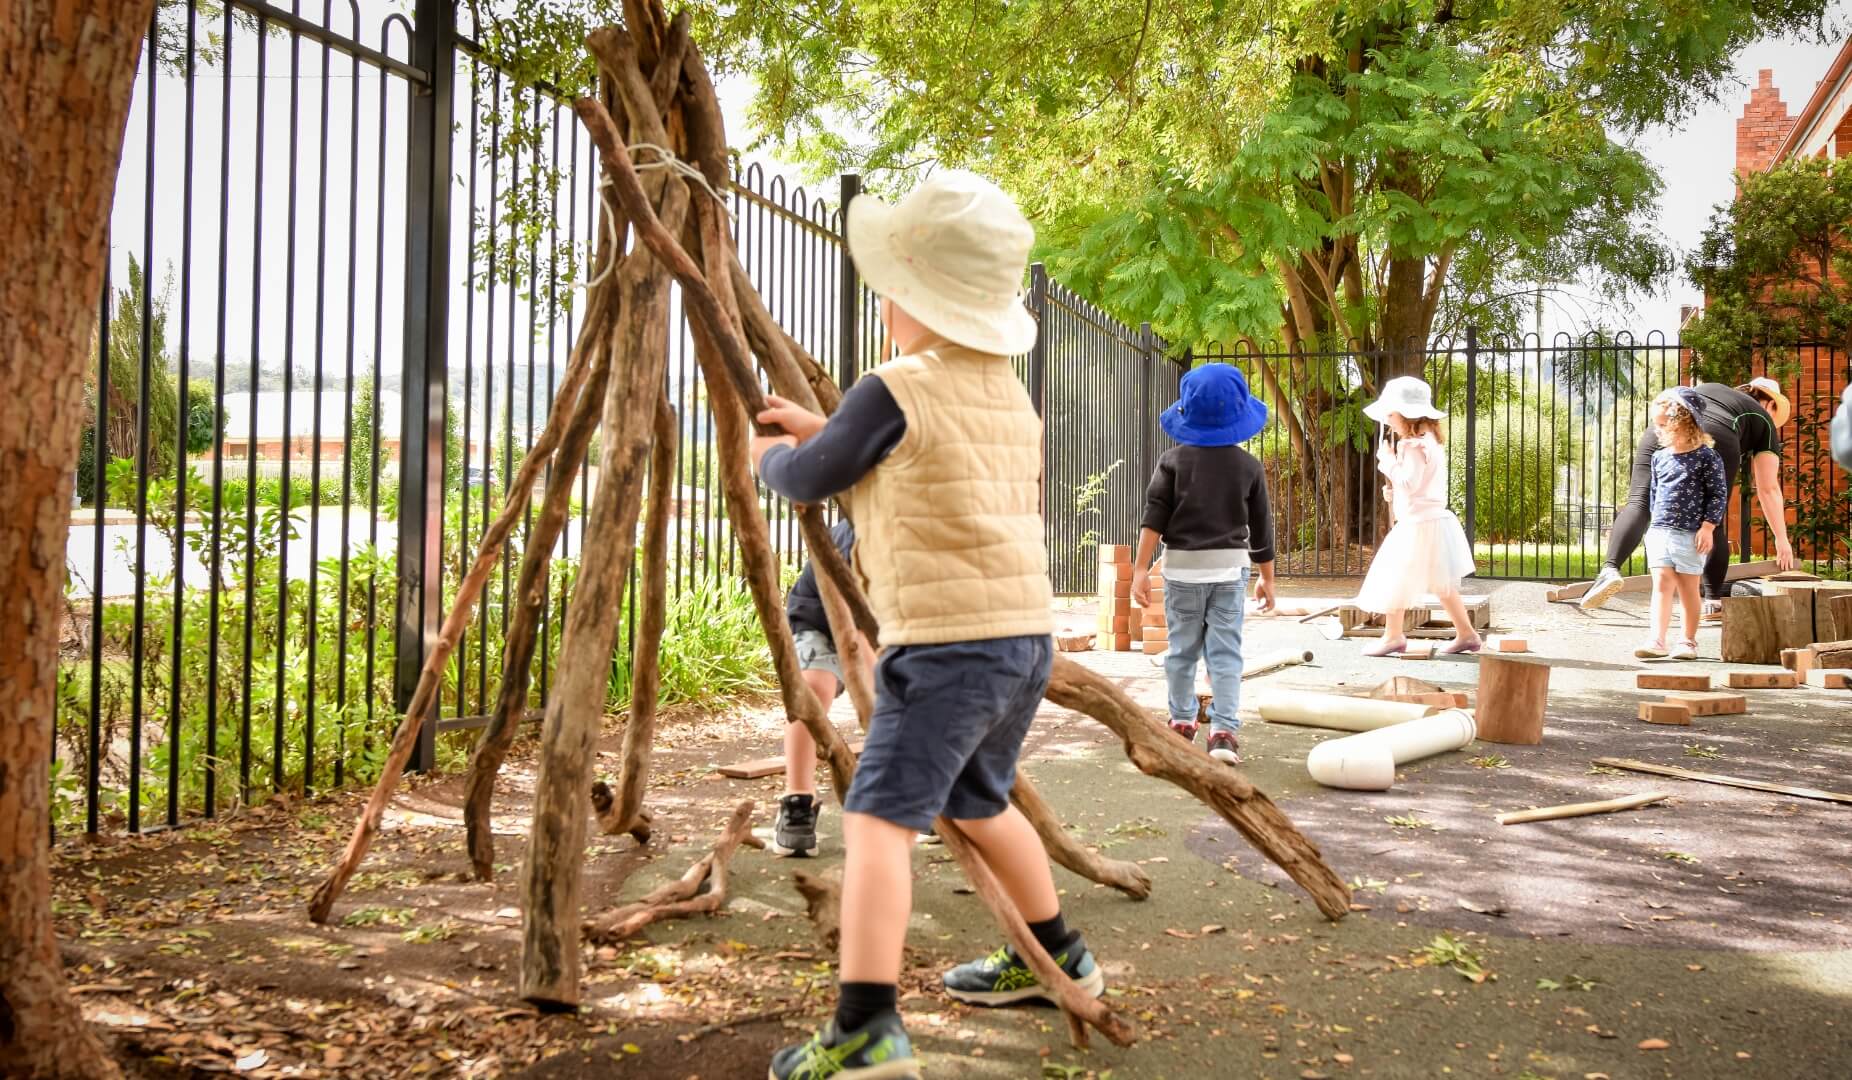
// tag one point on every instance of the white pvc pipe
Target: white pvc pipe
(1337, 711)
(1367, 762)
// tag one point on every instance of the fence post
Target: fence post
(1472, 432)
(850, 317)
(1154, 354)
(1038, 353)
(425, 361)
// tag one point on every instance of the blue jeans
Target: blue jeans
(1205, 622)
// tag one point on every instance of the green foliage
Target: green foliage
(360, 449)
(1086, 497)
(1774, 266)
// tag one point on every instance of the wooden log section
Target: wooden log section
(1838, 617)
(1757, 628)
(1605, 806)
(1832, 654)
(1512, 696)
(1640, 583)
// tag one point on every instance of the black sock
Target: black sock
(1053, 934)
(863, 1001)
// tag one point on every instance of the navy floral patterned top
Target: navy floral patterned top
(1688, 489)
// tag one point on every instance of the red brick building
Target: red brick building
(1766, 135)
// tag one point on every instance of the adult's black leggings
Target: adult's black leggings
(1631, 523)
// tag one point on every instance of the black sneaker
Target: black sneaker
(1003, 979)
(795, 831)
(878, 1050)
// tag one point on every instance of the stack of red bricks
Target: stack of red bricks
(1150, 629)
(1115, 619)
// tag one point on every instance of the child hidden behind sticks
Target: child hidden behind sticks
(939, 455)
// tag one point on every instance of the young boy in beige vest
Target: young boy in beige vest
(939, 454)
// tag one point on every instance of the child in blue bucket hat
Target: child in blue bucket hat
(1207, 501)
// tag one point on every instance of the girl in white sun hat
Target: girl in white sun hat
(1426, 551)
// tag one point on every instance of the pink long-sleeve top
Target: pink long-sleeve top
(1417, 472)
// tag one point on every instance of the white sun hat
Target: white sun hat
(952, 254)
(1411, 397)
(1782, 408)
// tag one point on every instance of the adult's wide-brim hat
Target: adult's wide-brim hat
(952, 254)
(1405, 394)
(1780, 408)
(1214, 408)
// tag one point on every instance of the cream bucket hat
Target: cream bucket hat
(1405, 394)
(952, 254)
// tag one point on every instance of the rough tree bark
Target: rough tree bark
(485, 761)
(66, 74)
(550, 874)
(1127, 877)
(627, 813)
(684, 896)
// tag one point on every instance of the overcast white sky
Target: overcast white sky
(1695, 160)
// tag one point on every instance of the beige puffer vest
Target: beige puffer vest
(948, 528)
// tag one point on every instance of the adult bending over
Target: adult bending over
(1745, 423)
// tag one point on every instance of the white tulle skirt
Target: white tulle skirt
(1417, 559)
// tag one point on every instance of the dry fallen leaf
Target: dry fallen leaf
(256, 1059)
(1184, 934)
(1212, 928)
(1654, 1044)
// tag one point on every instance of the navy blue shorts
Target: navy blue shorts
(948, 726)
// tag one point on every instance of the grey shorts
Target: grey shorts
(1673, 548)
(948, 726)
(816, 651)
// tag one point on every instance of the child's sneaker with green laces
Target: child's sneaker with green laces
(878, 1050)
(1002, 978)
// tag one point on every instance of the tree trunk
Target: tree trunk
(66, 74)
(551, 872)
(530, 597)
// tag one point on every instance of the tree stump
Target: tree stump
(1757, 628)
(1838, 621)
(1512, 696)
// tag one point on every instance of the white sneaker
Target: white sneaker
(1652, 650)
(1687, 650)
(1607, 584)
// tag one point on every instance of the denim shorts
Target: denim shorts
(816, 651)
(948, 725)
(1674, 548)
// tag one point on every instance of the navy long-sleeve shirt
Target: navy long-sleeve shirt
(864, 430)
(804, 603)
(1688, 489)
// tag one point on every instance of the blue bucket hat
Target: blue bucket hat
(1214, 408)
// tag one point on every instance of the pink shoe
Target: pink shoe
(1387, 648)
(1458, 647)
(1186, 732)
(1651, 650)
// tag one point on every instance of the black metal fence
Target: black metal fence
(344, 260)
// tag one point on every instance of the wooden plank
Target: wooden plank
(1506, 644)
(1640, 583)
(1583, 809)
(1676, 713)
(1713, 703)
(759, 768)
(1763, 680)
(1401, 685)
(1416, 652)
(1651, 681)
(1799, 661)
(1631, 765)
(1830, 680)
